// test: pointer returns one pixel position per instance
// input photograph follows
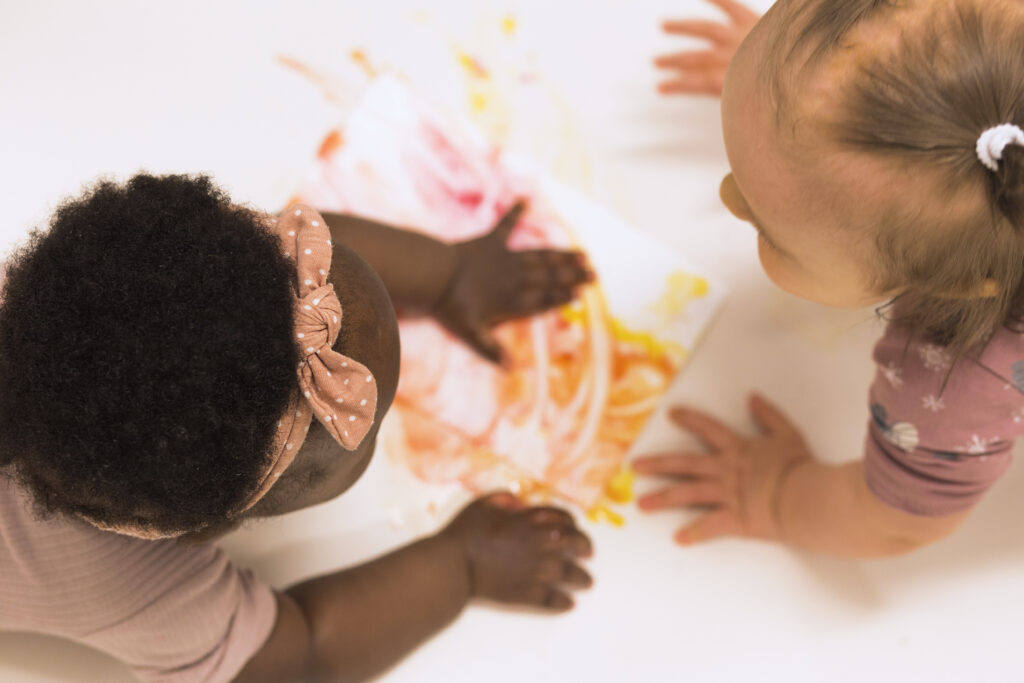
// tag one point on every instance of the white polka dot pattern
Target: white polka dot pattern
(324, 375)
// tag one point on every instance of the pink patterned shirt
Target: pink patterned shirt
(934, 450)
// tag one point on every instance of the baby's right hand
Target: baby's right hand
(702, 72)
(519, 554)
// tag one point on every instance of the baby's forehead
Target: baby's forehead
(809, 50)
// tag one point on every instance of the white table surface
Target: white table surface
(88, 89)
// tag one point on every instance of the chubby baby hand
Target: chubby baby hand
(519, 554)
(702, 72)
(737, 485)
(491, 283)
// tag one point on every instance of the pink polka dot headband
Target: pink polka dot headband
(337, 390)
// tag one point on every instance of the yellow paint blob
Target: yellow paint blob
(620, 487)
(680, 289)
(472, 66)
(509, 25)
(477, 102)
(602, 513)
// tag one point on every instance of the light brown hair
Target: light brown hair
(956, 70)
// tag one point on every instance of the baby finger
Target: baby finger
(685, 494)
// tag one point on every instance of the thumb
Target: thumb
(720, 522)
(508, 222)
(483, 342)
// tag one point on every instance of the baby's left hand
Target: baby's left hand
(491, 283)
(738, 483)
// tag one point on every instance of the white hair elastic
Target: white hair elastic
(993, 141)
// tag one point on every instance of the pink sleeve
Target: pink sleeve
(928, 483)
(204, 627)
(941, 433)
(172, 613)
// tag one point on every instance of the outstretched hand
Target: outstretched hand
(737, 485)
(702, 72)
(491, 283)
(519, 554)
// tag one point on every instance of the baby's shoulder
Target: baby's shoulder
(984, 386)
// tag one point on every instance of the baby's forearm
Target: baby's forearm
(415, 268)
(829, 509)
(366, 618)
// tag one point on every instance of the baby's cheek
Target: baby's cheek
(776, 269)
(769, 260)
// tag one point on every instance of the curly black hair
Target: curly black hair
(146, 354)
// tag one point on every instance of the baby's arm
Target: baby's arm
(770, 487)
(469, 286)
(414, 267)
(830, 509)
(353, 624)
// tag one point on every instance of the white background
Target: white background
(88, 89)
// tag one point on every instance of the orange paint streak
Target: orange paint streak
(329, 88)
(363, 62)
(331, 144)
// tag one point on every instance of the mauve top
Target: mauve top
(172, 613)
(934, 450)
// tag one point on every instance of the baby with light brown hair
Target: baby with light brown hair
(876, 147)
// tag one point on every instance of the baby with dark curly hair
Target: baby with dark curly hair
(174, 364)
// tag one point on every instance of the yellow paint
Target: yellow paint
(657, 349)
(508, 25)
(602, 513)
(477, 102)
(620, 487)
(680, 290)
(471, 66)
(652, 346)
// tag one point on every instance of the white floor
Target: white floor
(110, 87)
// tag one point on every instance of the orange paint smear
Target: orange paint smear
(578, 387)
(363, 62)
(331, 144)
(329, 88)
